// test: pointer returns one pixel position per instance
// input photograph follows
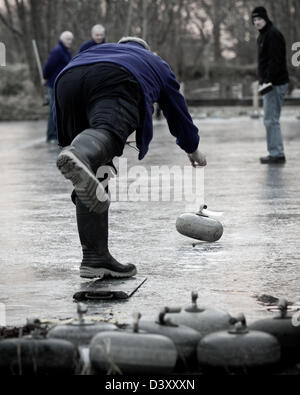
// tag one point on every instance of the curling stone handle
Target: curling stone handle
(242, 319)
(136, 320)
(33, 322)
(240, 326)
(162, 315)
(283, 307)
(200, 212)
(81, 311)
(194, 298)
(34, 325)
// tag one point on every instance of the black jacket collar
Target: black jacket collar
(266, 28)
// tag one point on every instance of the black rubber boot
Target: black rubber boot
(79, 163)
(97, 261)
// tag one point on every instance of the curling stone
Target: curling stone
(202, 319)
(238, 351)
(35, 355)
(199, 226)
(132, 352)
(81, 331)
(286, 328)
(185, 339)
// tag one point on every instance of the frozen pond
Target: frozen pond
(258, 254)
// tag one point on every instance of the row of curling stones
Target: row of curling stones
(35, 355)
(184, 337)
(199, 226)
(165, 345)
(202, 339)
(206, 339)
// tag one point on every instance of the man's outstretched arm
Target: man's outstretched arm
(180, 121)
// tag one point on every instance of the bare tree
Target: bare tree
(194, 36)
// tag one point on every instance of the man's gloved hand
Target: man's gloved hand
(266, 87)
(197, 159)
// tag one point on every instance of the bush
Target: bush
(18, 97)
(12, 79)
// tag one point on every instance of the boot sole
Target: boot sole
(88, 189)
(90, 272)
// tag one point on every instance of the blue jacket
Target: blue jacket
(88, 44)
(158, 84)
(58, 58)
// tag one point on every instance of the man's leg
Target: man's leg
(93, 226)
(97, 261)
(272, 110)
(113, 114)
(95, 148)
(51, 129)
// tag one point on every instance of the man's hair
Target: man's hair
(98, 27)
(138, 40)
(65, 35)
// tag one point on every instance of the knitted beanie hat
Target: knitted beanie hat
(260, 12)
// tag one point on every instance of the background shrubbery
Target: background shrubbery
(18, 97)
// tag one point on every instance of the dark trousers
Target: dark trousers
(98, 96)
(51, 128)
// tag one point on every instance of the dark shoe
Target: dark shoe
(272, 159)
(99, 266)
(97, 261)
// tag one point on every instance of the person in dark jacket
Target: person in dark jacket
(104, 95)
(59, 57)
(274, 79)
(98, 37)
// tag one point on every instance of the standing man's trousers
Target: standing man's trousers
(273, 102)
